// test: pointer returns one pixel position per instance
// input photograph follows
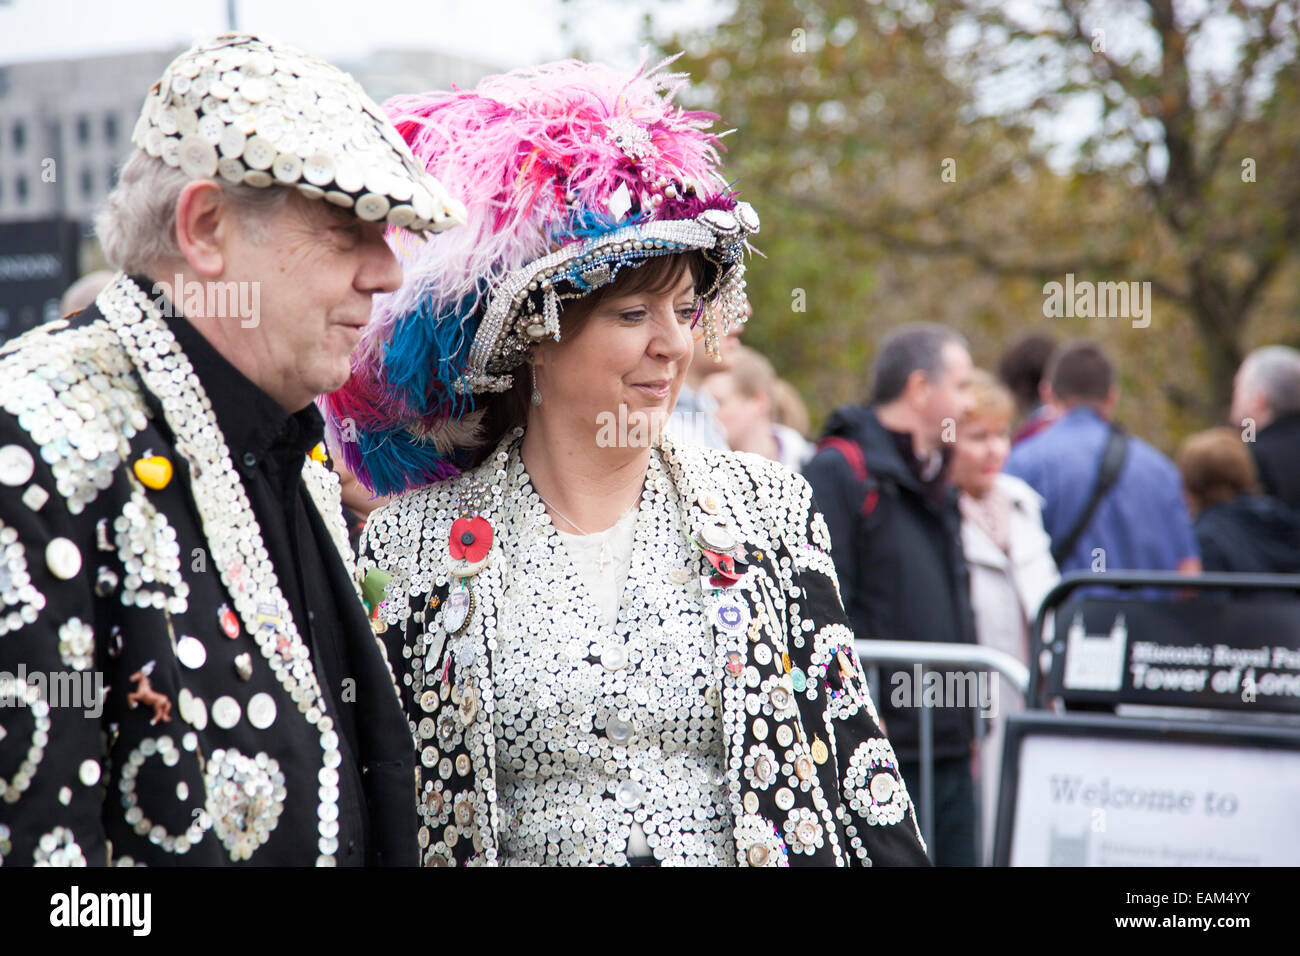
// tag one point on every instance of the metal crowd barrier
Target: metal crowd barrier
(873, 653)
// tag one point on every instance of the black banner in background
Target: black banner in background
(38, 261)
(1199, 652)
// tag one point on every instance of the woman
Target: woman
(611, 648)
(1007, 550)
(746, 402)
(1237, 528)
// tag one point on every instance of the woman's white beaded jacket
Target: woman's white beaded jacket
(732, 725)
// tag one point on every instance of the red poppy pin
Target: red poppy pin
(469, 543)
(725, 573)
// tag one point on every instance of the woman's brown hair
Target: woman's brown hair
(506, 410)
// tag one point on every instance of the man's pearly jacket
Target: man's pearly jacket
(158, 704)
(852, 802)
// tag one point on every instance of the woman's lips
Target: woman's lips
(655, 389)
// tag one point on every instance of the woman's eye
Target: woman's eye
(687, 313)
(633, 315)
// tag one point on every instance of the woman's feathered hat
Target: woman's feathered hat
(570, 172)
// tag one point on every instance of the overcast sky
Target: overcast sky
(505, 32)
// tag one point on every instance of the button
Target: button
(429, 757)
(372, 207)
(244, 666)
(191, 652)
(762, 654)
(318, 170)
(760, 728)
(717, 537)
(784, 798)
(780, 698)
(763, 770)
(429, 701)
(803, 768)
(619, 731)
(710, 502)
(63, 558)
(198, 157)
(798, 680)
(261, 711)
(35, 497)
(259, 153)
(784, 735)
(468, 705)
(757, 855)
(258, 178)
(401, 216)
(462, 764)
(806, 832)
(225, 712)
(629, 795)
(198, 717)
(287, 168)
(679, 576)
(613, 657)
(751, 802)
(88, 772)
(883, 787)
(16, 465)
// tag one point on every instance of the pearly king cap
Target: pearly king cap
(266, 114)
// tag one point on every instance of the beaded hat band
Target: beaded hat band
(525, 307)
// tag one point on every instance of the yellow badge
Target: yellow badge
(154, 472)
(819, 751)
(318, 453)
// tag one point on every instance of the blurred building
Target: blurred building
(65, 125)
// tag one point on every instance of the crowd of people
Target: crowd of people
(370, 578)
(956, 534)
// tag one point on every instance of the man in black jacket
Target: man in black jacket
(880, 480)
(1266, 406)
(187, 675)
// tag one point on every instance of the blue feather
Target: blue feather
(426, 346)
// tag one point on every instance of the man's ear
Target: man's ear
(1112, 399)
(917, 387)
(203, 227)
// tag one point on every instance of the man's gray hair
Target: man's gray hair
(137, 225)
(1274, 372)
(918, 346)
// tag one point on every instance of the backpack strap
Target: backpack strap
(852, 453)
(1111, 464)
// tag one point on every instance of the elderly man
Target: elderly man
(1266, 405)
(189, 676)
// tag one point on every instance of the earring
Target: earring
(536, 396)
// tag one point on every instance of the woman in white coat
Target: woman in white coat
(1010, 559)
